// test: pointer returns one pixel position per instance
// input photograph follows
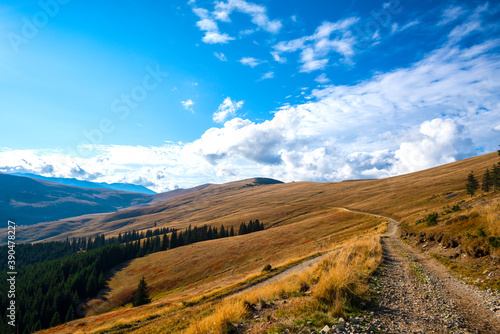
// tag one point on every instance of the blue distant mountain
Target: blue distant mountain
(92, 185)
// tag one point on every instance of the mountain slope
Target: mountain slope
(92, 185)
(300, 218)
(27, 201)
(281, 203)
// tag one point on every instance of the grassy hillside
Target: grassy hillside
(280, 204)
(301, 218)
(185, 279)
(28, 201)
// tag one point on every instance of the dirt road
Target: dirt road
(416, 294)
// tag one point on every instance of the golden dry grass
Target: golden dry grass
(280, 204)
(213, 268)
(300, 218)
(342, 276)
(207, 266)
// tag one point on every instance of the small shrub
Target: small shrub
(267, 267)
(480, 232)
(228, 328)
(494, 242)
(431, 219)
(304, 287)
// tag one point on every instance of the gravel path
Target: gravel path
(416, 294)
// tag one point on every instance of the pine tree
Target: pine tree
(231, 232)
(164, 242)
(222, 232)
(56, 320)
(173, 240)
(141, 295)
(100, 281)
(495, 177)
(472, 184)
(243, 229)
(487, 181)
(70, 315)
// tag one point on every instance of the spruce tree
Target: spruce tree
(141, 295)
(70, 315)
(495, 177)
(487, 181)
(472, 184)
(164, 243)
(56, 320)
(173, 240)
(222, 232)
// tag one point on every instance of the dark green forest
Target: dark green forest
(54, 278)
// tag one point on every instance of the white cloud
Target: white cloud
(258, 14)
(220, 56)
(472, 24)
(250, 61)
(439, 141)
(268, 75)
(322, 79)
(438, 110)
(278, 58)
(395, 27)
(451, 14)
(207, 24)
(222, 11)
(329, 37)
(188, 105)
(214, 37)
(226, 109)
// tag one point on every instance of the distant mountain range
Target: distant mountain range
(28, 199)
(92, 185)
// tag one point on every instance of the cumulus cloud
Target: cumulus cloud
(257, 13)
(226, 109)
(209, 26)
(439, 141)
(322, 79)
(222, 11)
(188, 105)
(250, 61)
(443, 108)
(315, 49)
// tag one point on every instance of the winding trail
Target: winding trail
(419, 295)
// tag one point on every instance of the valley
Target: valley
(311, 231)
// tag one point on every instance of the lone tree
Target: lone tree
(495, 177)
(472, 184)
(141, 295)
(487, 183)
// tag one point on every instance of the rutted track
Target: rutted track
(419, 295)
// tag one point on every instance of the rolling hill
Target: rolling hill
(29, 201)
(276, 203)
(92, 185)
(301, 218)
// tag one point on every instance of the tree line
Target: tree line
(489, 182)
(49, 292)
(33, 253)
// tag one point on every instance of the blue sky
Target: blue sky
(177, 93)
